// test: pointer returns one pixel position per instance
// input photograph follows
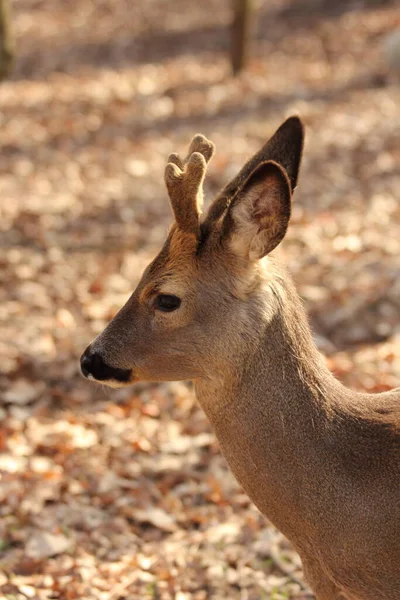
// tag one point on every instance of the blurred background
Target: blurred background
(116, 495)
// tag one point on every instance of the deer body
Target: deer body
(320, 461)
(309, 458)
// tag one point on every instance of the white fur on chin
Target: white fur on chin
(112, 383)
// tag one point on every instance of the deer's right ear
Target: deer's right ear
(259, 214)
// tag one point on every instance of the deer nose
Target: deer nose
(92, 363)
(86, 363)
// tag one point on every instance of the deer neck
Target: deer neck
(270, 359)
(271, 410)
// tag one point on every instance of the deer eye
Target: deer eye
(167, 302)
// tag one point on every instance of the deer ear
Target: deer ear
(258, 216)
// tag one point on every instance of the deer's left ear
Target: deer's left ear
(259, 214)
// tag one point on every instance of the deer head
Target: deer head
(197, 303)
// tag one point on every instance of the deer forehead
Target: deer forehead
(174, 268)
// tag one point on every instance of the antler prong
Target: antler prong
(176, 160)
(184, 181)
(201, 144)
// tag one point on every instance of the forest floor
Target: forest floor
(114, 495)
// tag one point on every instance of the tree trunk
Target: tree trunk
(240, 33)
(6, 41)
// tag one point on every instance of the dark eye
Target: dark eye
(167, 302)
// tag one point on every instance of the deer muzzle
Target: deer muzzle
(93, 366)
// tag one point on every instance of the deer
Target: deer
(216, 306)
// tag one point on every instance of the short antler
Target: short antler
(184, 181)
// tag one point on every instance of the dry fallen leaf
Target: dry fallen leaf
(42, 544)
(157, 517)
(23, 391)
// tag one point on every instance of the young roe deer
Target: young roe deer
(320, 461)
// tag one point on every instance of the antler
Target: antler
(184, 181)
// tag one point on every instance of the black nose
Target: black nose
(93, 364)
(86, 364)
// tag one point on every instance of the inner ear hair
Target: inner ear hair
(259, 215)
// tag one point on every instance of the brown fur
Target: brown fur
(321, 461)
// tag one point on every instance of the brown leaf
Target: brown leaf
(42, 544)
(157, 517)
